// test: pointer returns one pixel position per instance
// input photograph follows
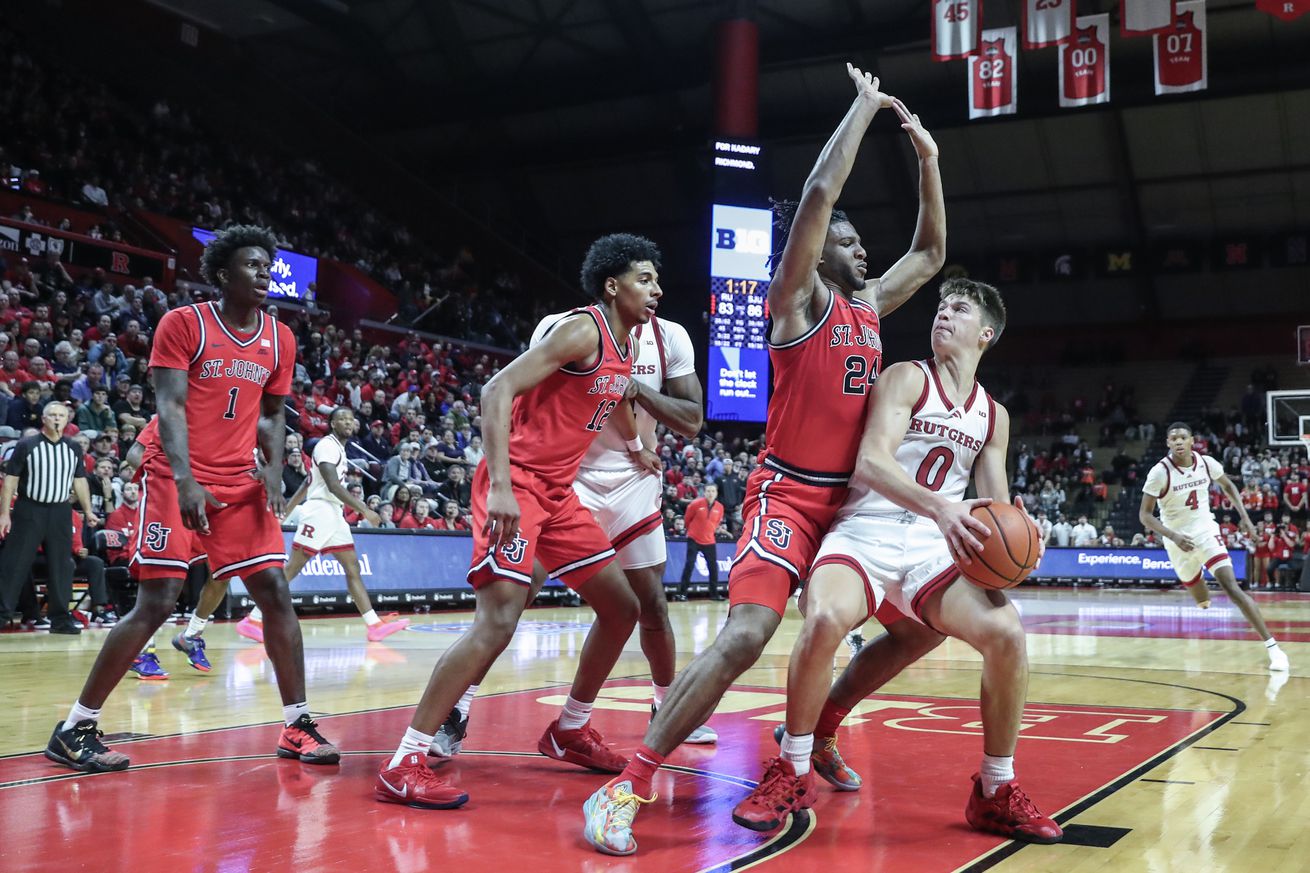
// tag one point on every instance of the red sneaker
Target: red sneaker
(584, 747)
(1010, 813)
(780, 793)
(413, 784)
(302, 740)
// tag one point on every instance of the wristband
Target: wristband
(634, 444)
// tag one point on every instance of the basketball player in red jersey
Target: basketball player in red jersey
(540, 414)
(221, 373)
(895, 550)
(826, 352)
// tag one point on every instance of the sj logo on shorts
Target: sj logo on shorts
(777, 532)
(157, 536)
(514, 551)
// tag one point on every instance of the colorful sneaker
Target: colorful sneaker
(584, 747)
(194, 649)
(413, 784)
(701, 736)
(302, 740)
(1009, 813)
(105, 617)
(146, 666)
(609, 814)
(780, 793)
(828, 762)
(251, 630)
(377, 632)
(80, 618)
(449, 738)
(79, 747)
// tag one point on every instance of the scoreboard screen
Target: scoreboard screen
(739, 285)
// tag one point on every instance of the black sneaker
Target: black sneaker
(80, 748)
(449, 738)
(39, 624)
(65, 626)
(105, 617)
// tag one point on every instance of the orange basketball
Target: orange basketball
(1010, 553)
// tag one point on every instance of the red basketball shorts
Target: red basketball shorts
(783, 523)
(554, 527)
(244, 537)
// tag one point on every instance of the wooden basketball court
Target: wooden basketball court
(1154, 729)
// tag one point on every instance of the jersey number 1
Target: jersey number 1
(231, 404)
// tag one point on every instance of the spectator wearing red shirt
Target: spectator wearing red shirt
(420, 519)
(353, 517)
(1294, 495)
(132, 341)
(1269, 499)
(703, 517)
(13, 374)
(453, 519)
(92, 567)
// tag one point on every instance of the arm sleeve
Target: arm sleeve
(177, 340)
(680, 354)
(1156, 481)
(280, 382)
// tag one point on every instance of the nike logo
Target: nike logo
(293, 742)
(554, 745)
(401, 792)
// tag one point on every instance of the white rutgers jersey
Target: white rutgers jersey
(1184, 492)
(664, 351)
(939, 447)
(327, 451)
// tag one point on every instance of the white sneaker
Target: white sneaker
(1278, 660)
(702, 736)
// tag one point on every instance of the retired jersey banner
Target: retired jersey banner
(955, 26)
(1288, 10)
(1047, 22)
(1085, 63)
(993, 82)
(1145, 17)
(1180, 52)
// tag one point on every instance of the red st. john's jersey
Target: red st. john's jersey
(821, 384)
(228, 374)
(551, 426)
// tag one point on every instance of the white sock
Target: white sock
(256, 616)
(660, 691)
(796, 751)
(79, 713)
(575, 714)
(412, 743)
(1271, 644)
(371, 618)
(196, 626)
(466, 701)
(293, 711)
(996, 771)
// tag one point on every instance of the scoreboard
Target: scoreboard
(740, 244)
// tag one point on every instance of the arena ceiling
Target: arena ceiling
(569, 118)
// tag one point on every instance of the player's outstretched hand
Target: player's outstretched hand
(924, 144)
(191, 501)
(502, 526)
(866, 85)
(1041, 543)
(648, 461)
(963, 532)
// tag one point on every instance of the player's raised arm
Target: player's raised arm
(927, 251)
(573, 341)
(891, 405)
(794, 283)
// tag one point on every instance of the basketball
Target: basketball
(1010, 553)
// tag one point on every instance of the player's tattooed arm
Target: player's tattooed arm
(927, 251)
(272, 443)
(170, 397)
(680, 407)
(795, 292)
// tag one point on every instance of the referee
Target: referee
(42, 471)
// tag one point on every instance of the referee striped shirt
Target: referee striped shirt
(46, 468)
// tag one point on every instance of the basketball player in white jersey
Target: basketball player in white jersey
(626, 500)
(1180, 485)
(894, 551)
(322, 528)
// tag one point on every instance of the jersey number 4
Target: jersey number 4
(1191, 501)
(859, 376)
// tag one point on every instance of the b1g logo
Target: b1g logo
(742, 239)
(157, 536)
(514, 551)
(778, 533)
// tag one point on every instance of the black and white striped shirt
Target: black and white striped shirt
(46, 469)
